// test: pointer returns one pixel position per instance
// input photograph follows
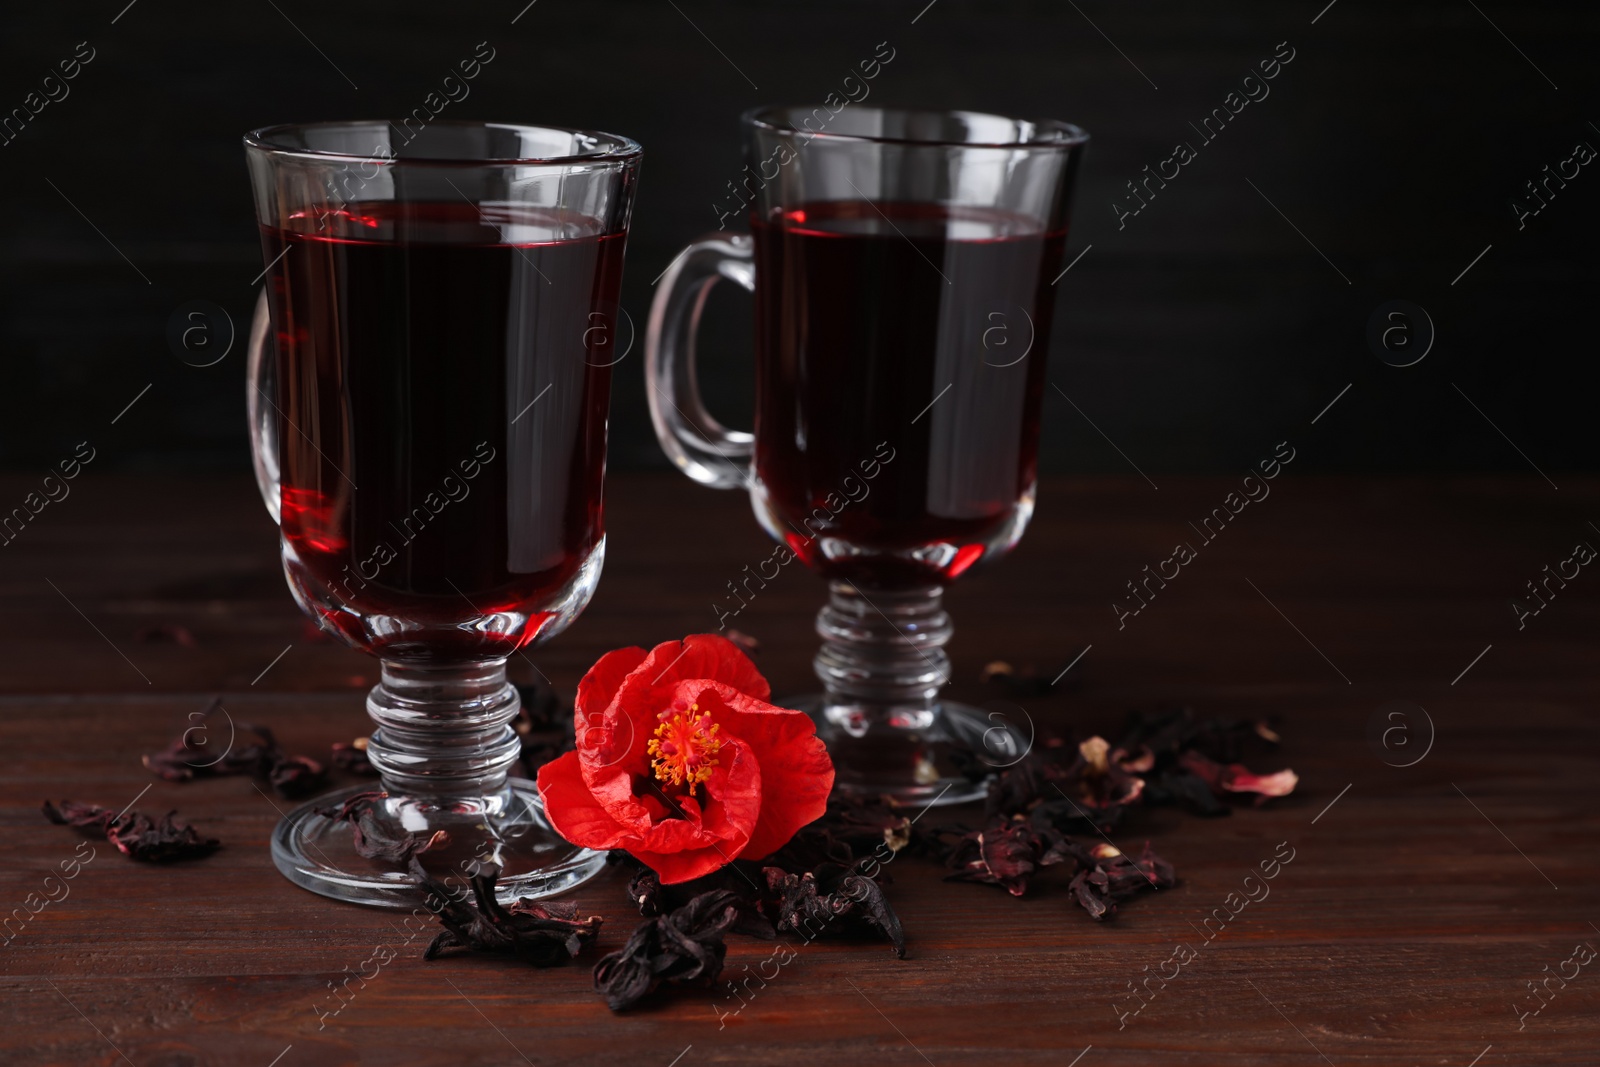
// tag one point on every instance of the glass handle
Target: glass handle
(260, 384)
(702, 447)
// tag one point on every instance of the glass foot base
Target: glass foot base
(317, 853)
(920, 766)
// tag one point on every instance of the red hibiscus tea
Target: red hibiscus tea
(442, 395)
(900, 368)
(901, 262)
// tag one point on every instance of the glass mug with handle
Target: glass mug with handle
(429, 430)
(902, 264)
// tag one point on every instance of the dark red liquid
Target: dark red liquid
(865, 316)
(442, 388)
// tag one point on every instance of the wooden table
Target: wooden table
(1420, 902)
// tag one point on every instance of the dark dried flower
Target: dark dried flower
(1088, 796)
(1179, 756)
(544, 725)
(90, 818)
(971, 764)
(351, 758)
(645, 890)
(541, 708)
(739, 881)
(1006, 852)
(1175, 785)
(811, 845)
(296, 776)
(833, 899)
(1167, 733)
(866, 824)
(191, 755)
(1019, 684)
(994, 669)
(1023, 786)
(1099, 781)
(1009, 851)
(1111, 877)
(1236, 778)
(376, 836)
(543, 934)
(684, 945)
(135, 834)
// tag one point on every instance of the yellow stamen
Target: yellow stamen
(685, 746)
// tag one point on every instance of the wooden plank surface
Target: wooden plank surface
(1419, 903)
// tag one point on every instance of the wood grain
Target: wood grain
(1416, 908)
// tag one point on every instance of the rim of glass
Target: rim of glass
(621, 150)
(1070, 136)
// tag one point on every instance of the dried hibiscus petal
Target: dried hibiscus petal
(1112, 877)
(1167, 733)
(810, 846)
(833, 899)
(351, 758)
(135, 834)
(645, 890)
(544, 725)
(1098, 782)
(1021, 787)
(1179, 786)
(1027, 682)
(1194, 762)
(684, 945)
(1237, 778)
(1006, 852)
(655, 898)
(292, 776)
(543, 934)
(376, 837)
(295, 776)
(865, 824)
(191, 755)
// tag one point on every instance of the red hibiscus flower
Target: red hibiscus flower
(682, 762)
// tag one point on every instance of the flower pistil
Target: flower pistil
(685, 746)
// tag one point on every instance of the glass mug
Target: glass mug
(430, 434)
(902, 265)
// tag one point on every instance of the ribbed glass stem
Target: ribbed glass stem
(882, 661)
(444, 732)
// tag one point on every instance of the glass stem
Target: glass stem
(882, 661)
(444, 731)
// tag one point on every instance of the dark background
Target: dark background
(1195, 338)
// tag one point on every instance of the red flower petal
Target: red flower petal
(604, 738)
(706, 837)
(796, 773)
(573, 810)
(704, 656)
(673, 867)
(613, 789)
